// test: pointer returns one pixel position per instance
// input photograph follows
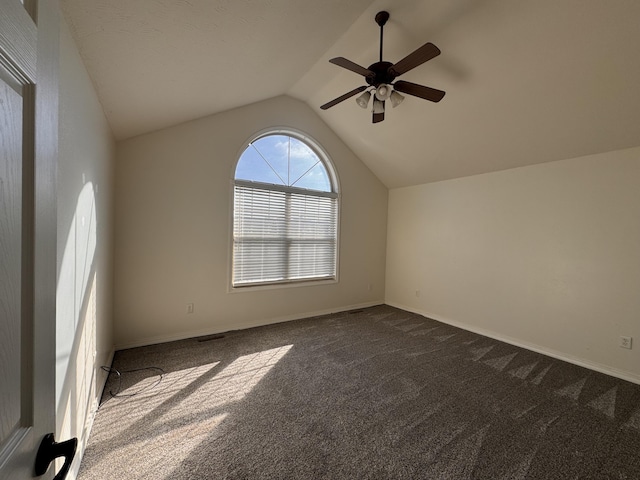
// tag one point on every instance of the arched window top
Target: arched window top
(286, 159)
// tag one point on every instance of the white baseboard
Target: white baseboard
(581, 362)
(235, 326)
(82, 442)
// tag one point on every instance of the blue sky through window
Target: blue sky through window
(283, 160)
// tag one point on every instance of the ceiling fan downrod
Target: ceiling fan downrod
(381, 19)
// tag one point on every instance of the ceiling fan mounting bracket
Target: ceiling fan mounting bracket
(382, 17)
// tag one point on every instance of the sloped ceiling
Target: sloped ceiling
(526, 81)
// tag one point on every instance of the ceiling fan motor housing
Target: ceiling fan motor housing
(382, 74)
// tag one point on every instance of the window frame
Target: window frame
(324, 157)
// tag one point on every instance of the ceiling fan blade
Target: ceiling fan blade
(378, 117)
(418, 57)
(420, 91)
(349, 65)
(342, 98)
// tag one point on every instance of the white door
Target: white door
(28, 148)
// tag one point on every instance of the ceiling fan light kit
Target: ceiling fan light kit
(381, 76)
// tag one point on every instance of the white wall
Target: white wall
(84, 327)
(173, 219)
(546, 256)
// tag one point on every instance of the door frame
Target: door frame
(32, 54)
(45, 211)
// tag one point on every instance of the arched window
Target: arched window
(285, 212)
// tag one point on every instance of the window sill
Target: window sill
(273, 286)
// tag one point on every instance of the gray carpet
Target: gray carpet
(375, 394)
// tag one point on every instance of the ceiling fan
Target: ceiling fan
(381, 76)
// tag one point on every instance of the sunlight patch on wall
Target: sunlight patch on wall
(76, 317)
(73, 294)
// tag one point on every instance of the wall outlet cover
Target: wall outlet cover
(625, 342)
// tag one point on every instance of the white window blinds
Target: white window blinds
(283, 234)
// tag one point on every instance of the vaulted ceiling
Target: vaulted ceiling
(526, 81)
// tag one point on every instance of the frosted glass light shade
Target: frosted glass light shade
(383, 91)
(363, 100)
(378, 106)
(396, 99)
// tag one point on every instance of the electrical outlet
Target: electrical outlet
(625, 342)
(417, 293)
(369, 287)
(189, 307)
